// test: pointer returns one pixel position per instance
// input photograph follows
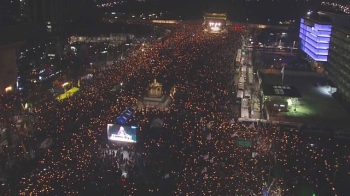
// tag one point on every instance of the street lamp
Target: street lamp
(293, 101)
(64, 85)
(293, 47)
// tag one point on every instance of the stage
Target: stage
(215, 22)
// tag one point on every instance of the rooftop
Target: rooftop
(213, 15)
(316, 106)
(315, 18)
(281, 90)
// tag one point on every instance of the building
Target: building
(325, 39)
(338, 67)
(12, 38)
(214, 22)
(58, 12)
(8, 67)
(302, 99)
(315, 35)
(11, 11)
(314, 41)
(279, 97)
(112, 38)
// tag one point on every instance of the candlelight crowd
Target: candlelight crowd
(195, 152)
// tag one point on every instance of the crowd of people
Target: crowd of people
(195, 152)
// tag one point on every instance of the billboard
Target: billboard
(116, 132)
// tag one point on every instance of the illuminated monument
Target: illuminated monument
(155, 99)
(215, 22)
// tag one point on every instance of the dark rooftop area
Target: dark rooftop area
(319, 18)
(280, 90)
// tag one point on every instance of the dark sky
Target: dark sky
(236, 9)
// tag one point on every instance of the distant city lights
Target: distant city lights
(336, 6)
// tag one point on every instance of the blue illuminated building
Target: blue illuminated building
(315, 38)
(325, 39)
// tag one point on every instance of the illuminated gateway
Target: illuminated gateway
(215, 22)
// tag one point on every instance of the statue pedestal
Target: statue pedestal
(159, 103)
(154, 99)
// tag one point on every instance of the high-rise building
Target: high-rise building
(325, 39)
(12, 39)
(60, 11)
(315, 35)
(10, 12)
(338, 66)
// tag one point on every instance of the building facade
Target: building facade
(338, 66)
(52, 12)
(314, 41)
(325, 39)
(214, 22)
(8, 67)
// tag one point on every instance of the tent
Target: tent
(125, 116)
(157, 123)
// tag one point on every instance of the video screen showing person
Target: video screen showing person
(121, 133)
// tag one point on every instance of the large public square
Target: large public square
(195, 151)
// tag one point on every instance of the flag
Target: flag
(166, 176)
(265, 192)
(254, 154)
(251, 126)
(232, 121)
(205, 157)
(209, 136)
(23, 147)
(211, 160)
(235, 134)
(78, 83)
(204, 170)
(25, 126)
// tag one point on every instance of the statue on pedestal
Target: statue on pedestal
(155, 89)
(155, 99)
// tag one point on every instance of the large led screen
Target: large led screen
(121, 133)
